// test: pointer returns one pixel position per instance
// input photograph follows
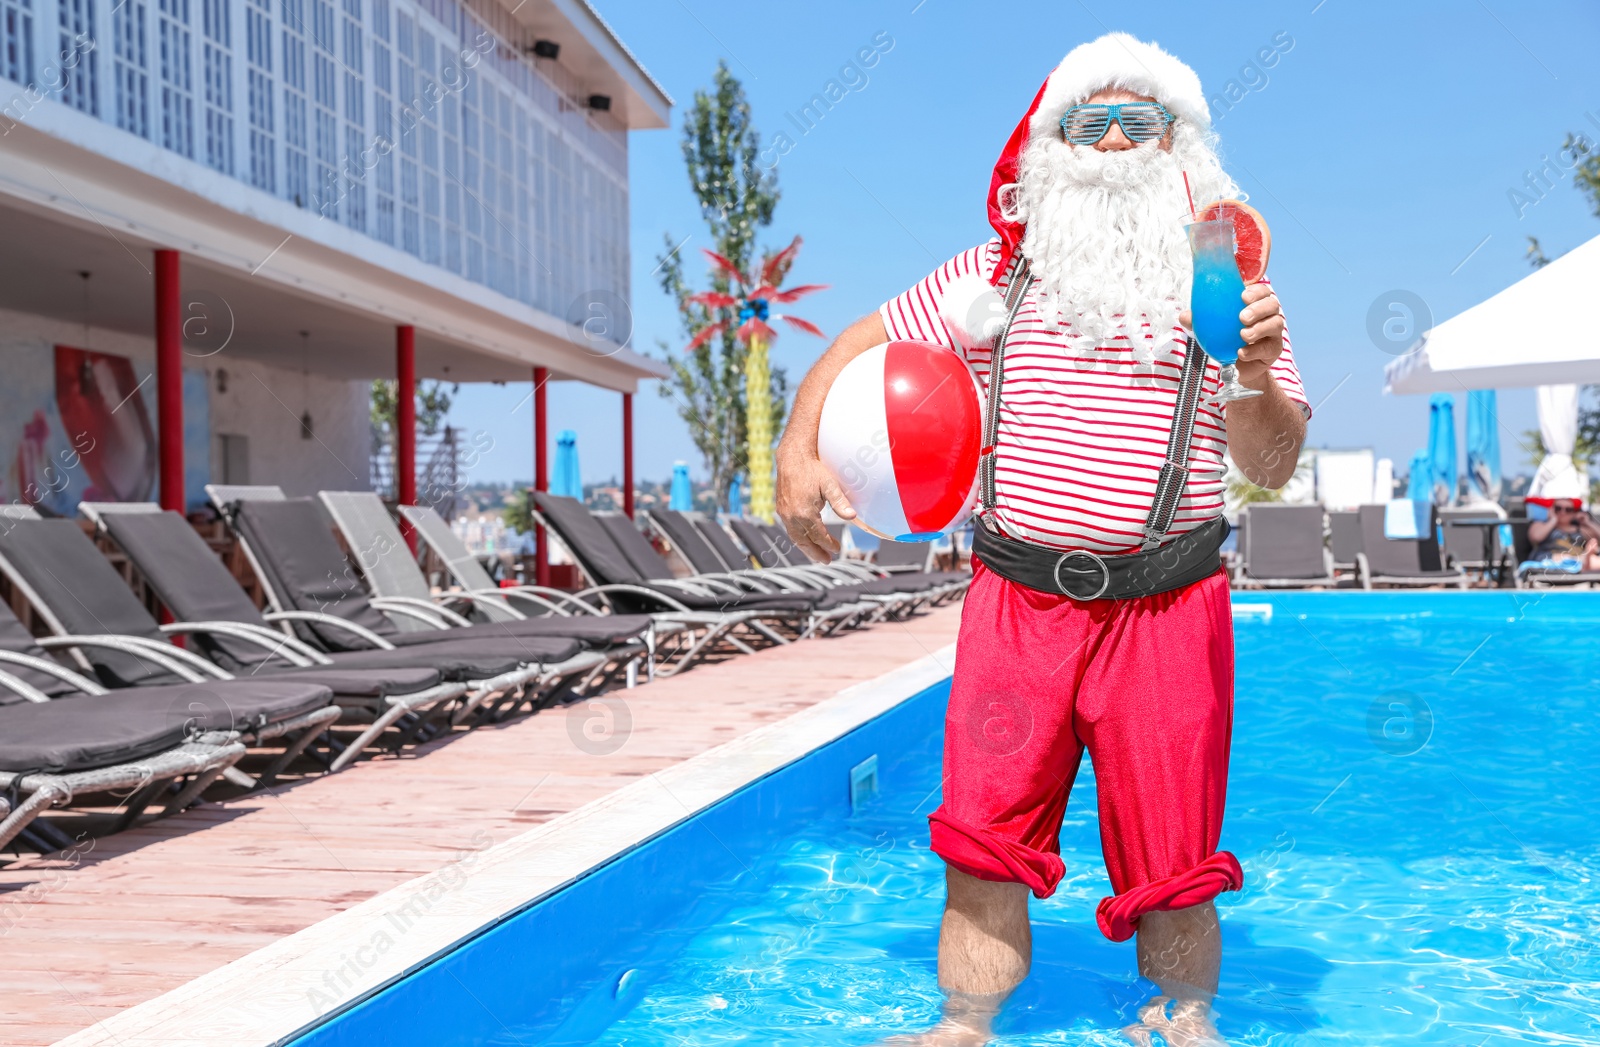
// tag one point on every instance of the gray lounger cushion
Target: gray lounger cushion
(88, 731)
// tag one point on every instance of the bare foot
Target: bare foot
(952, 1032)
(968, 1022)
(1181, 1023)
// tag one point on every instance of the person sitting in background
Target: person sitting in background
(1566, 534)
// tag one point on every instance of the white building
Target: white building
(223, 218)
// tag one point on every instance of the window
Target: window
(324, 115)
(384, 128)
(258, 47)
(130, 67)
(177, 82)
(77, 59)
(217, 60)
(16, 40)
(296, 135)
(355, 127)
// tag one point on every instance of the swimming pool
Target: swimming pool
(1414, 792)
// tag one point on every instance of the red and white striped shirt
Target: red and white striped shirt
(1083, 430)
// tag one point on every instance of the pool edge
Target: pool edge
(286, 988)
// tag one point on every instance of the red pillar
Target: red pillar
(405, 424)
(169, 379)
(541, 472)
(405, 397)
(627, 454)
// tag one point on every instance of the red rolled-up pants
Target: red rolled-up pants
(1146, 686)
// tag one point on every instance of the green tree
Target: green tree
(737, 196)
(1586, 176)
(433, 405)
(1238, 492)
(1585, 179)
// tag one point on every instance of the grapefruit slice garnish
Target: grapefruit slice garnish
(1252, 240)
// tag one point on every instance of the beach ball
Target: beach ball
(900, 431)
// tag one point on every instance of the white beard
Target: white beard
(1105, 234)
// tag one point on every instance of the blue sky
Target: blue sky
(1382, 145)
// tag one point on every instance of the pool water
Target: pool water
(1414, 798)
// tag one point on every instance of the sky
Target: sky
(1382, 141)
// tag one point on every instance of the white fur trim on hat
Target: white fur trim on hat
(972, 310)
(1119, 60)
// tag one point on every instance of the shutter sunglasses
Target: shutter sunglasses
(1140, 121)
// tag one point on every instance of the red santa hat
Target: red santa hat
(1114, 60)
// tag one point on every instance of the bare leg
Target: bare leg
(985, 948)
(1181, 951)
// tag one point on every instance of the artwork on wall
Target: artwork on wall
(78, 425)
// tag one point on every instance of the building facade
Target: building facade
(329, 171)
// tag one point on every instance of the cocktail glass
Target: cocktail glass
(1215, 302)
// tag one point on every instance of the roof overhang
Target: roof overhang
(593, 53)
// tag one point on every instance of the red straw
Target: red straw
(1187, 193)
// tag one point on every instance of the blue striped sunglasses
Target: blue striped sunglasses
(1141, 121)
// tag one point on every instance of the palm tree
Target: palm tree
(757, 293)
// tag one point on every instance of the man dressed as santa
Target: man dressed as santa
(1098, 616)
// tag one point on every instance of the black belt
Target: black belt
(1083, 575)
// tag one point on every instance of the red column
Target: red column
(541, 471)
(627, 454)
(405, 426)
(169, 379)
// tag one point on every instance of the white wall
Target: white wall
(247, 398)
(265, 404)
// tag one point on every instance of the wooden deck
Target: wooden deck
(145, 911)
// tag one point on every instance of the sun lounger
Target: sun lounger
(63, 734)
(677, 530)
(916, 560)
(52, 751)
(391, 573)
(1285, 549)
(309, 583)
(1472, 548)
(80, 596)
(474, 580)
(1402, 561)
(937, 585)
(403, 686)
(772, 547)
(1344, 539)
(690, 541)
(676, 639)
(716, 604)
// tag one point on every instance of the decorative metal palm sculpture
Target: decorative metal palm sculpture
(756, 295)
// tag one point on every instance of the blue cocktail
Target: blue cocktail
(1216, 300)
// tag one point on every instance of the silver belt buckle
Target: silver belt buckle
(1105, 574)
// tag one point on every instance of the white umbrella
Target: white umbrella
(1558, 428)
(1535, 332)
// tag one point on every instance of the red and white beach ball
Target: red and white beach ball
(900, 431)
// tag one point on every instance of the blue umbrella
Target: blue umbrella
(566, 481)
(1483, 446)
(1419, 486)
(681, 498)
(735, 498)
(1442, 447)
